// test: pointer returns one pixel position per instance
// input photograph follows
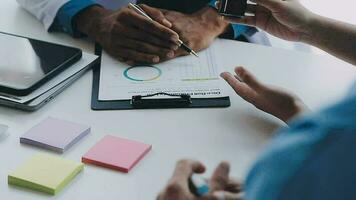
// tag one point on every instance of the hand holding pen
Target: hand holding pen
(128, 36)
(140, 11)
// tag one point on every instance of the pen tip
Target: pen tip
(195, 54)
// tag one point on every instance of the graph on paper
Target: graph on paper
(198, 77)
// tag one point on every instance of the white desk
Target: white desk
(236, 134)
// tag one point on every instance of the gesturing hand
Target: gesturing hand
(286, 19)
(221, 187)
(128, 36)
(274, 101)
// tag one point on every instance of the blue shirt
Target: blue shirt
(312, 159)
(64, 19)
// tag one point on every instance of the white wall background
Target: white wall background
(344, 10)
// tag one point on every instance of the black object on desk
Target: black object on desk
(147, 102)
(233, 8)
(27, 63)
(140, 101)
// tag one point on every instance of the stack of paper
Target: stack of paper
(45, 173)
(54, 134)
(116, 153)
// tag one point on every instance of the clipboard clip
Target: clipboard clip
(144, 101)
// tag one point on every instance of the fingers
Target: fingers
(125, 28)
(140, 22)
(223, 195)
(132, 55)
(120, 31)
(220, 177)
(270, 4)
(185, 169)
(234, 186)
(250, 20)
(244, 84)
(174, 191)
(156, 15)
(248, 78)
(146, 48)
(178, 185)
(123, 60)
(135, 39)
(242, 89)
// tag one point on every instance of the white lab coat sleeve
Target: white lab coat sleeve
(44, 10)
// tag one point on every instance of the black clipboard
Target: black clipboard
(181, 101)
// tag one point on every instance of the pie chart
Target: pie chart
(140, 73)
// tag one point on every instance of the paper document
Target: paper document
(198, 77)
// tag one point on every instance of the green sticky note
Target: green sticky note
(45, 173)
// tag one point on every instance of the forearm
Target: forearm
(334, 37)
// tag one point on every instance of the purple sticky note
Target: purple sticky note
(55, 134)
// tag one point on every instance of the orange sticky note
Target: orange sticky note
(116, 153)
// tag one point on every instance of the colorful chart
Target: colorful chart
(141, 73)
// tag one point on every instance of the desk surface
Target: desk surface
(236, 134)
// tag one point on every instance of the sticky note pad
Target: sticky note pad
(54, 134)
(45, 173)
(116, 153)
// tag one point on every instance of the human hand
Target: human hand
(128, 36)
(197, 30)
(286, 19)
(221, 187)
(274, 101)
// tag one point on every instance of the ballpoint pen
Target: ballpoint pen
(140, 11)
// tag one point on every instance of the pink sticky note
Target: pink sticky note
(116, 153)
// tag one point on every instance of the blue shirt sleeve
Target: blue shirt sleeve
(309, 160)
(66, 14)
(238, 29)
